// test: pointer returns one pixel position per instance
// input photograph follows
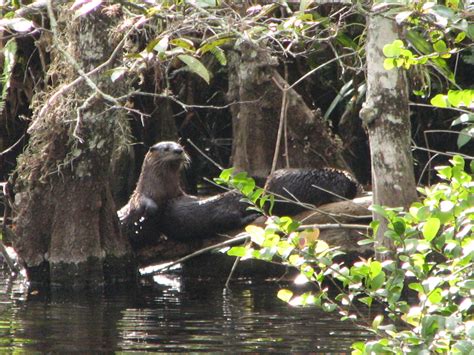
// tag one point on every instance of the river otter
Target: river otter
(159, 182)
(160, 205)
(308, 186)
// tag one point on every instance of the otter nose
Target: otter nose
(178, 151)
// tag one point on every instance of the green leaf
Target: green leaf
(285, 295)
(9, 54)
(377, 321)
(431, 228)
(440, 47)
(237, 251)
(460, 37)
(375, 269)
(464, 118)
(455, 97)
(219, 54)
(435, 296)
(465, 136)
(389, 63)
(366, 300)
(183, 43)
(440, 100)
(256, 233)
(195, 66)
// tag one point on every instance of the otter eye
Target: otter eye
(166, 149)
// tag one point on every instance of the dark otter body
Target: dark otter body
(159, 182)
(158, 204)
(189, 217)
(302, 185)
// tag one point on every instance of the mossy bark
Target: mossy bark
(66, 225)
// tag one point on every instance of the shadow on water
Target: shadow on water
(185, 315)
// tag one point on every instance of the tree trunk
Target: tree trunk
(387, 118)
(256, 84)
(66, 224)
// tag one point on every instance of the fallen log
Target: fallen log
(186, 224)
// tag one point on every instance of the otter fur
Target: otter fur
(158, 183)
(309, 186)
(159, 205)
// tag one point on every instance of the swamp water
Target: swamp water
(168, 315)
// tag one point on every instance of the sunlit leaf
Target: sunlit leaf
(435, 296)
(237, 251)
(321, 246)
(431, 228)
(285, 295)
(440, 100)
(464, 118)
(377, 321)
(183, 43)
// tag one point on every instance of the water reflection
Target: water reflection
(185, 315)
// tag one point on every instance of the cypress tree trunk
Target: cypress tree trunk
(255, 82)
(387, 118)
(66, 225)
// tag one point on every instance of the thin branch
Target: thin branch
(204, 154)
(448, 154)
(240, 237)
(234, 266)
(9, 149)
(333, 226)
(320, 67)
(83, 75)
(284, 106)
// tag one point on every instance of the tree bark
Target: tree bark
(66, 224)
(257, 85)
(387, 118)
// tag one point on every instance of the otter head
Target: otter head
(169, 154)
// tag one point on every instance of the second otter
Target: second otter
(158, 183)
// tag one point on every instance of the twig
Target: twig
(204, 154)
(320, 67)
(238, 238)
(284, 106)
(83, 75)
(448, 154)
(9, 149)
(11, 264)
(333, 226)
(234, 266)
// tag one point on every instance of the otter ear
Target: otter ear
(154, 148)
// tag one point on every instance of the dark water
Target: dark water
(186, 315)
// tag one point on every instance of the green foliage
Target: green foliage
(457, 99)
(9, 53)
(435, 33)
(253, 195)
(195, 66)
(434, 262)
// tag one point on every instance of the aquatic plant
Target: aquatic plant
(426, 290)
